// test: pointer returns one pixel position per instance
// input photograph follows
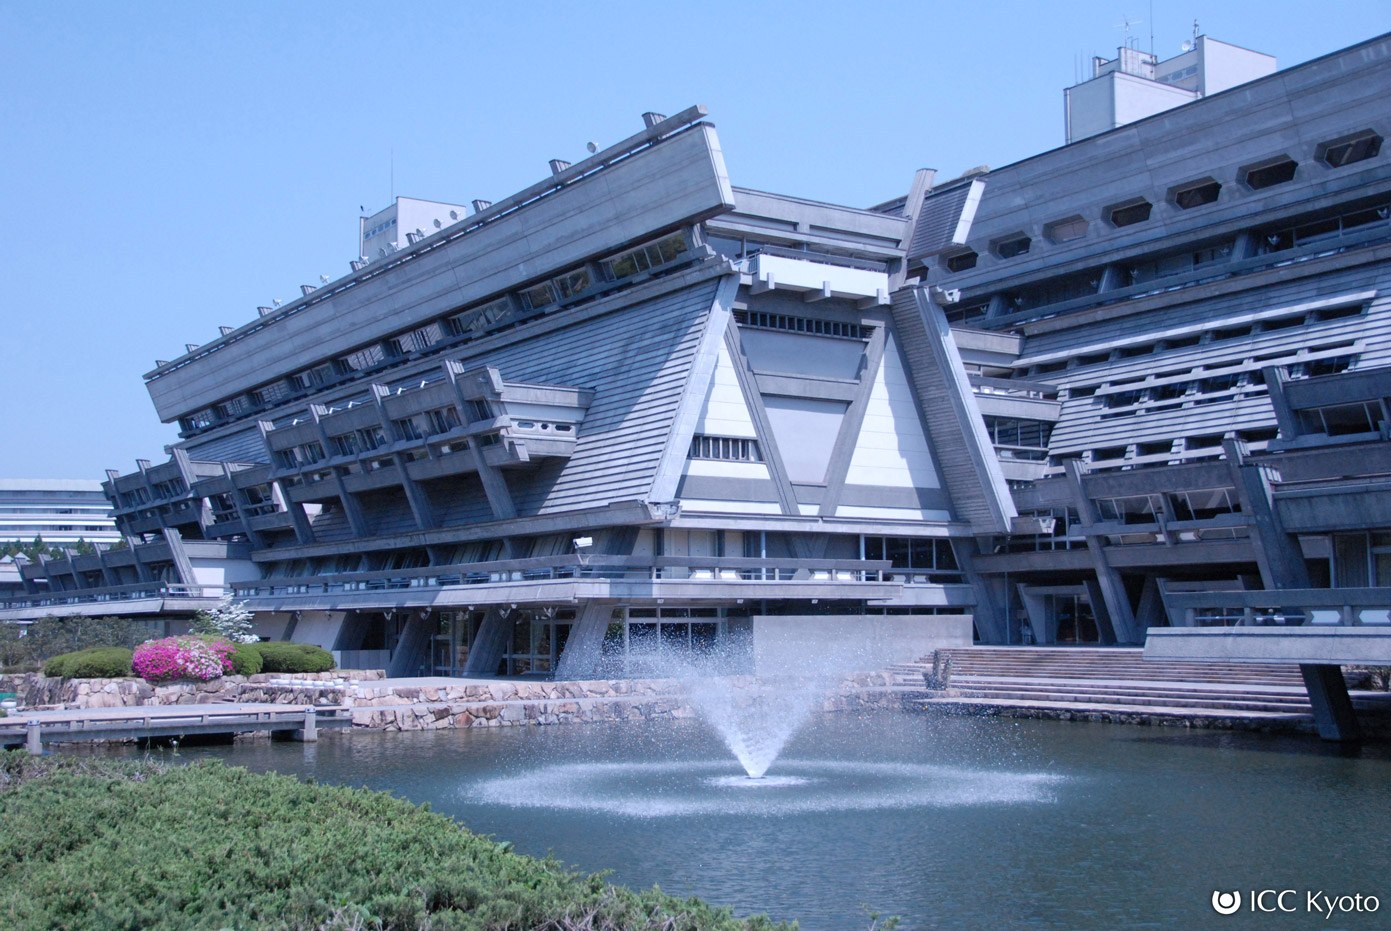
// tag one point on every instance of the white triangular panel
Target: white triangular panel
(892, 449)
(725, 412)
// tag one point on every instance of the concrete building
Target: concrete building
(1132, 382)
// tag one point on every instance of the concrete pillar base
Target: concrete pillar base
(1328, 693)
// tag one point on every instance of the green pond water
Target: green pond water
(947, 822)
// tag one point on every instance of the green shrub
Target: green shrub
(178, 847)
(246, 659)
(93, 663)
(281, 656)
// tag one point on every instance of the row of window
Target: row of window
(766, 321)
(1183, 262)
(1203, 504)
(1269, 173)
(365, 439)
(1207, 337)
(931, 556)
(1185, 448)
(1025, 439)
(465, 325)
(1212, 380)
(730, 448)
(1344, 419)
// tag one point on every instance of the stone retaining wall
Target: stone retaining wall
(500, 703)
(39, 692)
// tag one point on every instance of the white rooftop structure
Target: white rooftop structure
(1136, 84)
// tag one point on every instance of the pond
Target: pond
(948, 822)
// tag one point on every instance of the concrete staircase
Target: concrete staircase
(1113, 683)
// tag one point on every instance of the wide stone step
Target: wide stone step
(1131, 685)
(1223, 704)
(1161, 673)
(1170, 674)
(1187, 715)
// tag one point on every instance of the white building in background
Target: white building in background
(405, 221)
(1136, 84)
(61, 510)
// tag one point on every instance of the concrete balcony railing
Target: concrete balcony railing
(1332, 607)
(682, 568)
(116, 593)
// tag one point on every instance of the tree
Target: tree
(230, 620)
(52, 635)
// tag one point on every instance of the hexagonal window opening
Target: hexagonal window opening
(1011, 245)
(1270, 173)
(1195, 193)
(1130, 212)
(1065, 230)
(1357, 147)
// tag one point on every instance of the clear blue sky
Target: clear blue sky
(166, 167)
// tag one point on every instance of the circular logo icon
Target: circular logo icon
(1226, 903)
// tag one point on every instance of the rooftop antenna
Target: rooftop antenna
(1151, 28)
(1127, 23)
(1195, 32)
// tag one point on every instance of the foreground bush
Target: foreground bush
(246, 659)
(199, 658)
(94, 663)
(93, 844)
(281, 656)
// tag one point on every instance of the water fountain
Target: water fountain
(756, 718)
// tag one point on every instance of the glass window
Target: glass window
(1013, 246)
(1270, 175)
(1130, 214)
(961, 261)
(1186, 198)
(1060, 231)
(1356, 148)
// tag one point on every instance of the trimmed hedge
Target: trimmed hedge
(92, 663)
(246, 659)
(95, 844)
(282, 656)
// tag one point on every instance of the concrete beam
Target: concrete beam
(1304, 644)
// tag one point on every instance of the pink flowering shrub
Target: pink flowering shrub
(198, 658)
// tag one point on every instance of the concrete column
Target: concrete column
(351, 509)
(1275, 378)
(240, 507)
(310, 732)
(585, 649)
(1328, 694)
(493, 636)
(1277, 553)
(413, 645)
(33, 740)
(1110, 604)
(179, 556)
(991, 620)
(416, 498)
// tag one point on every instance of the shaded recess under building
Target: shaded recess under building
(1135, 382)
